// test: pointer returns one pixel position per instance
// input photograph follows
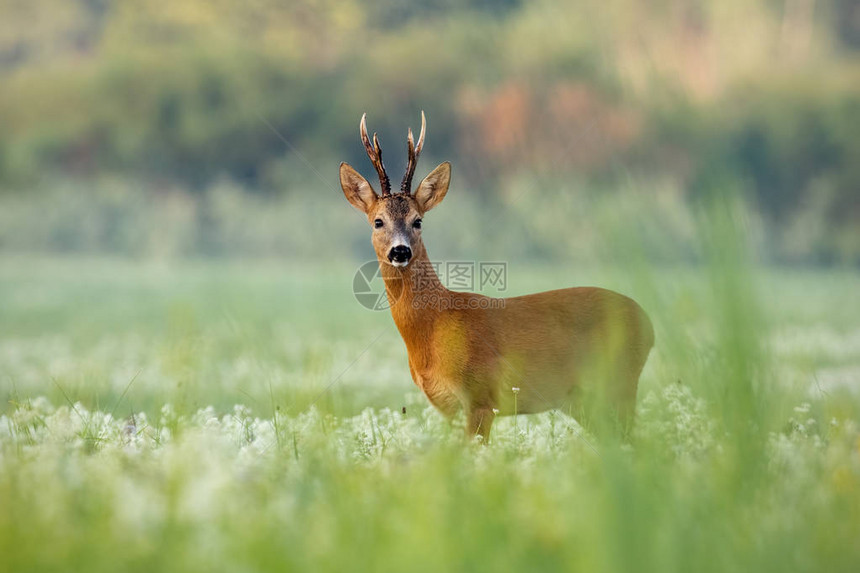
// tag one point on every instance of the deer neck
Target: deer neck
(415, 294)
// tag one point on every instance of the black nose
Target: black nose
(400, 254)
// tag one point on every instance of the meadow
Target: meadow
(188, 383)
(216, 415)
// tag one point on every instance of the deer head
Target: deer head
(395, 218)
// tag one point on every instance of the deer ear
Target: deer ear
(356, 188)
(432, 190)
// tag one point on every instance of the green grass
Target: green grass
(227, 416)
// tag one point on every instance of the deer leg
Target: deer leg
(479, 422)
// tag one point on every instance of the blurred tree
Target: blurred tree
(184, 92)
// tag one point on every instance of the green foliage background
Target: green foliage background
(124, 121)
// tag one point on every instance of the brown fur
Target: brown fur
(578, 349)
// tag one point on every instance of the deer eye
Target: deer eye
(417, 223)
(378, 223)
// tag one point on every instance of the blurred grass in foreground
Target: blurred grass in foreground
(747, 450)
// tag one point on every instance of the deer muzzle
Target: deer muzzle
(399, 255)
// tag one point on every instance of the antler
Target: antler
(414, 152)
(375, 154)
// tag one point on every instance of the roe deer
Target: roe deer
(579, 349)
